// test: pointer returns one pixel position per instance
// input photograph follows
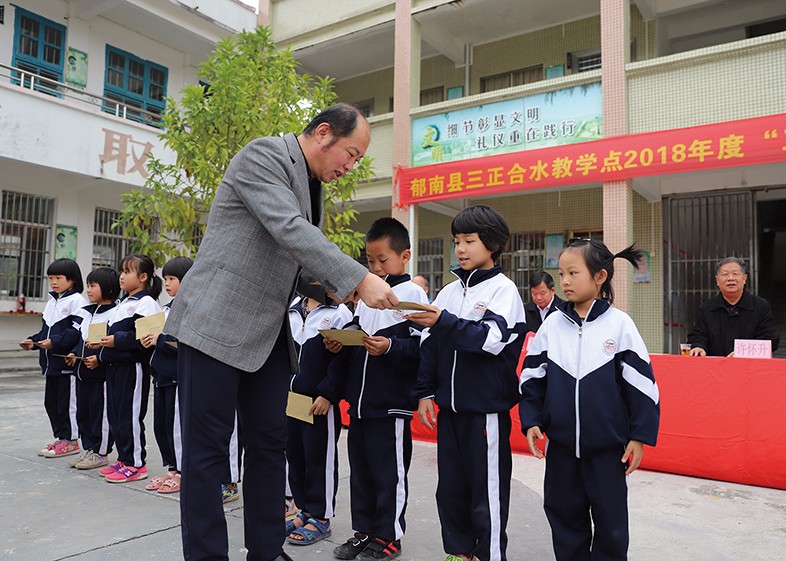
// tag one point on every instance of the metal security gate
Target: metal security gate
(698, 231)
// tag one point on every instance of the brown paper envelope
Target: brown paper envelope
(150, 324)
(95, 332)
(298, 406)
(347, 337)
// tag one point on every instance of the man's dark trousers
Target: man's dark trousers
(209, 393)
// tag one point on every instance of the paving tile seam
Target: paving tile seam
(118, 542)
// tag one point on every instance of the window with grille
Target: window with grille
(25, 234)
(136, 83)
(109, 245)
(589, 235)
(525, 255)
(589, 61)
(431, 258)
(366, 107)
(519, 77)
(432, 95)
(39, 44)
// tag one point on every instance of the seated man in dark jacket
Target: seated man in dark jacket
(733, 314)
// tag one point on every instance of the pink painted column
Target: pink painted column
(263, 14)
(617, 195)
(406, 94)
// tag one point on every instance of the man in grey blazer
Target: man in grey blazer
(262, 243)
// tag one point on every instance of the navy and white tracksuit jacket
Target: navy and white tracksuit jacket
(589, 386)
(91, 404)
(128, 377)
(381, 401)
(468, 366)
(166, 411)
(60, 323)
(312, 448)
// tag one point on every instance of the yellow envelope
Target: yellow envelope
(69, 356)
(172, 343)
(414, 306)
(347, 337)
(298, 406)
(95, 332)
(150, 324)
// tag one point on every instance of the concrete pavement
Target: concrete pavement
(50, 512)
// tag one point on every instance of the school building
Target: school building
(659, 122)
(82, 87)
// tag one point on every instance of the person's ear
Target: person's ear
(406, 255)
(322, 132)
(601, 276)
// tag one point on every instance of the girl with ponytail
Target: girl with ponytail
(588, 385)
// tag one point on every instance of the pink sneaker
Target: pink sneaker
(110, 469)
(62, 448)
(43, 451)
(127, 473)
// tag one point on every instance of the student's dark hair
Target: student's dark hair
(342, 118)
(177, 267)
(541, 277)
(108, 280)
(727, 260)
(143, 264)
(598, 257)
(69, 269)
(490, 226)
(390, 228)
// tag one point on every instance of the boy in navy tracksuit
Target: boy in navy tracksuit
(163, 362)
(311, 448)
(469, 353)
(103, 289)
(59, 333)
(379, 391)
(587, 382)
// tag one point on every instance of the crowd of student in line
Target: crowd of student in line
(586, 382)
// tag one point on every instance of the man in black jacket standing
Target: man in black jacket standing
(544, 300)
(733, 314)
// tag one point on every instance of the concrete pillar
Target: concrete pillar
(406, 94)
(617, 195)
(263, 14)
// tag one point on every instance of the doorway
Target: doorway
(772, 262)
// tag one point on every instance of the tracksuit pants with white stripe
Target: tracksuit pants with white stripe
(91, 415)
(586, 503)
(313, 462)
(164, 427)
(127, 393)
(380, 451)
(473, 493)
(60, 405)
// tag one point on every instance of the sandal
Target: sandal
(171, 485)
(309, 536)
(156, 483)
(290, 509)
(292, 524)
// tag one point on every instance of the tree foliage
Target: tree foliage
(254, 91)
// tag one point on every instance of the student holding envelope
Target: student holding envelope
(128, 374)
(103, 288)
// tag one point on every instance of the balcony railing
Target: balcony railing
(34, 82)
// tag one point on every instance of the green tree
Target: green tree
(254, 90)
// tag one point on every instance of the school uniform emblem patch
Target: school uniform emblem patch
(610, 347)
(479, 309)
(398, 314)
(325, 323)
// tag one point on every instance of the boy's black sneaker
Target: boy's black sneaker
(380, 548)
(353, 546)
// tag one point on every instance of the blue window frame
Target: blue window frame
(39, 45)
(136, 83)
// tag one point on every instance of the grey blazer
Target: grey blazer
(233, 301)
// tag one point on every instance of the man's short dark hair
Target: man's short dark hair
(390, 228)
(490, 226)
(108, 280)
(727, 260)
(177, 267)
(342, 118)
(541, 277)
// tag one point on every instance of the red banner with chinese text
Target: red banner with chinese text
(760, 140)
